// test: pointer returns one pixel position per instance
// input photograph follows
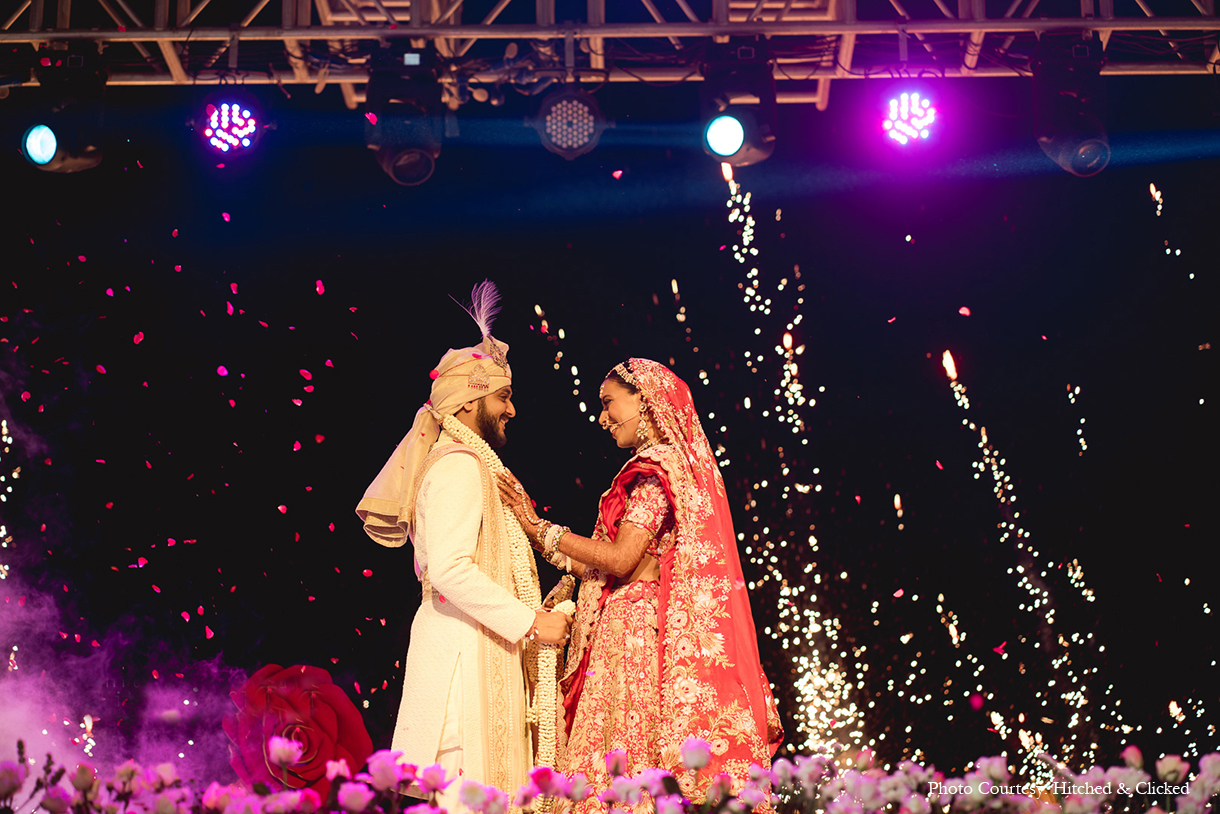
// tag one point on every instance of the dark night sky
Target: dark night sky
(996, 227)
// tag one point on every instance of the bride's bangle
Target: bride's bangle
(542, 529)
(550, 542)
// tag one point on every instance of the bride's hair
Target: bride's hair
(614, 376)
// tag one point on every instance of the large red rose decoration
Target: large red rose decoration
(301, 703)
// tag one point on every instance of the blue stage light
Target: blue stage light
(39, 144)
(724, 135)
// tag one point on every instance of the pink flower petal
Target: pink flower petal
(964, 311)
(283, 509)
(225, 215)
(138, 338)
(321, 289)
(222, 371)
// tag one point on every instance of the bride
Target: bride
(663, 646)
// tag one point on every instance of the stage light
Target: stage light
(40, 144)
(230, 122)
(738, 134)
(405, 128)
(569, 122)
(66, 133)
(230, 127)
(909, 118)
(724, 135)
(1069, 104)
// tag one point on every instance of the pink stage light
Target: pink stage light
(229, 127)
(909, 118)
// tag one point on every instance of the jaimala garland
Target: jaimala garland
(541, 660)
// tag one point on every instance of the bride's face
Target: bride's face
(620, 413)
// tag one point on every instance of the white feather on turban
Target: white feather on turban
(462, 375)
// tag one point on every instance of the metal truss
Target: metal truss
(808, 42)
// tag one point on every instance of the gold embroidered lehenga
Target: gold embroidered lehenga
(656, 662)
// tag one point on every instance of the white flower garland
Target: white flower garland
(541, 662)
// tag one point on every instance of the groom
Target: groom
(464, 692)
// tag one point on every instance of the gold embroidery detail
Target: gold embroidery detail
(478, 378)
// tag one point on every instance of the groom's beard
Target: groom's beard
(490, 427)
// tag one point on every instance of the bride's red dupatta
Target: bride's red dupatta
(712, 682)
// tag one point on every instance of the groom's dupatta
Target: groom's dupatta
(712, 683)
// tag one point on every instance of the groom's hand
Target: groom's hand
(552, 626)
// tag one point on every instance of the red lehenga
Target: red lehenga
(653, 663)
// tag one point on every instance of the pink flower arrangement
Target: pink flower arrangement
(823, 783)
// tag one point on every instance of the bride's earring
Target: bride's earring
(641, 428)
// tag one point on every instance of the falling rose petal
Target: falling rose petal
(155, 588)
(1043, 337)
(939, 465)
(964, 311)
(229, 307)
(332, 526)
(207, 631)
(283, 509)
(898, 593)
(891, 319)
(221, 370)
(368, 572)
(233, 287)
(317, 439)
(138, 338)
(141, 562)
(174, 233)
(109, 292)
(976, 702)
(329, 363)
(296, 446)
(199, 610)
(225, 215)
(80, 257)
(297, 402)
(1000, 649)
(857, 500)
(352, 309)
(177, 268)
(186, 615)
(232, 402)
(25, 396)
(305, 374)
(371, 116)
(308, 388)
(101, 369)
(617, 174)
(321, 289)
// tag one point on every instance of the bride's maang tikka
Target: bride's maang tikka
(622, 370)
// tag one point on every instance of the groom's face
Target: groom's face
(492, 416)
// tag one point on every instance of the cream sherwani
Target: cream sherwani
(464, 657)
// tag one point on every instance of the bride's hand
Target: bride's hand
(514, 495)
